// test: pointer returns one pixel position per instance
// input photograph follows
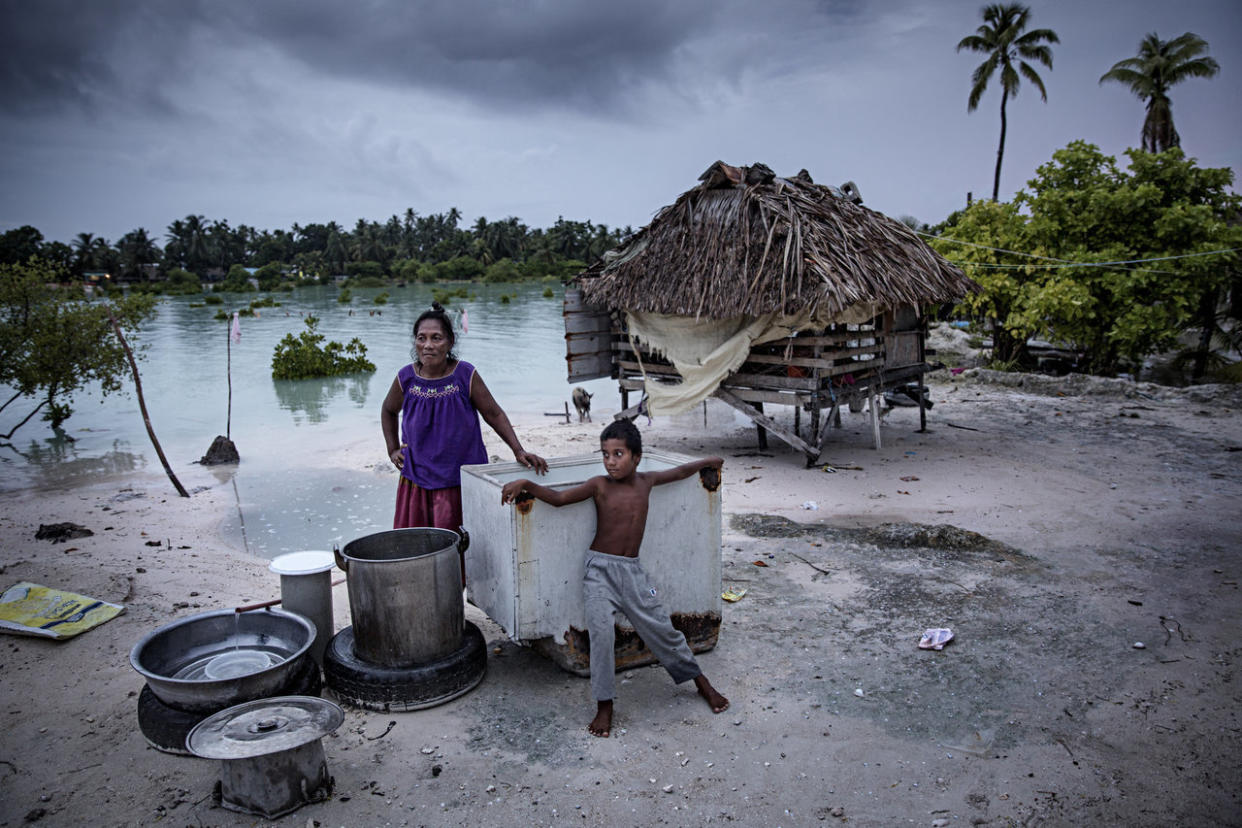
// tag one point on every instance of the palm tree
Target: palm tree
(1158, 65)
(1001, 38)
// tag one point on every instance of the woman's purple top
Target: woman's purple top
(439, 426)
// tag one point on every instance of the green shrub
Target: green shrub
(503, 270)
(504, 298)
(345, 297)
(382, 299)
(547, 293)
(365, 274)
(269, 275)
(305, 356)
(459, 268)
(444, 297)
(212, 299)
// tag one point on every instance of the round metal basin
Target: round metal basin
(405, 595)
(217, 659)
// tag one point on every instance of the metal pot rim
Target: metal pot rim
(304, 622)
(456, 539)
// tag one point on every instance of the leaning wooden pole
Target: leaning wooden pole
(142, 404)
(228, 338)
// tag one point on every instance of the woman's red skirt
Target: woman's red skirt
(417, 507)
(438, 508)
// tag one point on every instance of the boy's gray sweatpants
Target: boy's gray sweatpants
(611, 583)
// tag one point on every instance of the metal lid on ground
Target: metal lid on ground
(264, 726)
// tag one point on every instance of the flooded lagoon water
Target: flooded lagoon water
(291, 491)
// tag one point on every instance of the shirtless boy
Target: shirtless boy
(614, 579)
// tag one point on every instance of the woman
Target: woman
(440, 397)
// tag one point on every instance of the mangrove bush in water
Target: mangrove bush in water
(53, 343)
(305, 356)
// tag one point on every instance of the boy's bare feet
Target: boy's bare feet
(601, 725)
(719, 703)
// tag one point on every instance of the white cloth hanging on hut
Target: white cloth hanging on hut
(706, 351)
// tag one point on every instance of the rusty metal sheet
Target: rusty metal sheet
(702, 630)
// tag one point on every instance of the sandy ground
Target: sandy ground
(1051, 525)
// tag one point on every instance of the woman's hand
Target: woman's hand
(398, 456)
(532, 461)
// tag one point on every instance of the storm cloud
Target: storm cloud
(121, 114)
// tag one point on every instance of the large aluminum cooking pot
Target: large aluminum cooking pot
(405, 595)
(190, 646)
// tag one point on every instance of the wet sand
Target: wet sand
(1075, 519)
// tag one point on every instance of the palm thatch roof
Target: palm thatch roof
(746, 242)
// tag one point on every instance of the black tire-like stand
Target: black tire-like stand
(397, 689)
(165, 727)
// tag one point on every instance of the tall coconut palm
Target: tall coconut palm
(1158, 65)
(1008, 49)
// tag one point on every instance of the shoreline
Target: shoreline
(1099, 512)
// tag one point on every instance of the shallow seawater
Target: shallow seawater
(289, 497)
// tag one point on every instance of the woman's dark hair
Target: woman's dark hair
(626, 431)
(437, 313)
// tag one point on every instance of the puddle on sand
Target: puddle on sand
(295, 509)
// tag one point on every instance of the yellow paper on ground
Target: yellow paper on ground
(32, 609)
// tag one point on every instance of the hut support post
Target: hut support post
(798, 419)
(873, 400)
(760, 431)
(767, 423)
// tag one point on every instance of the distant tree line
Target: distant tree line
(409, 247)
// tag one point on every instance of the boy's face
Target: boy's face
(619, 461)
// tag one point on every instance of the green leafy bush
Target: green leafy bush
(382, 299)
(212, 299)
(345, 297)
(306, 356)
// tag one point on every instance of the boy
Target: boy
(614, 579)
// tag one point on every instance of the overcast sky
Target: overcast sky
(120, 114)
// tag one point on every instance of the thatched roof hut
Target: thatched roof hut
(758, 289)
(747, 242)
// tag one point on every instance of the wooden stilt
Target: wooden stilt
(873, 400)
(762, 432)
(768, 424)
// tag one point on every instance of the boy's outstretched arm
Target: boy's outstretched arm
(684, 470)
(555, 497)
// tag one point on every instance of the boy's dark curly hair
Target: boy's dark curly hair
(624, 430)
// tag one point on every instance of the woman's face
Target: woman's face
(432, 343)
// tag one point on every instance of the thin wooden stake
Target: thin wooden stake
(228, 338)
(142, 404)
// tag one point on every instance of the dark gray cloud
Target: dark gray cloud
(125, 113)
(567, 54)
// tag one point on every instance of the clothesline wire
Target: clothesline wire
(1070, 263)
